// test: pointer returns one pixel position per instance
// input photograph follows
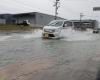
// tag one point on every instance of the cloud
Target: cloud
(69, 9)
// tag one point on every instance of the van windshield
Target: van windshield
(55, 23)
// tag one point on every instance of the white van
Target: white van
(54, 28)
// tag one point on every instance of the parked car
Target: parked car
(24, 23)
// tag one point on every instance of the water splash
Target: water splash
(2, 38)
(72, 35)
(34, 34)
(67, 34)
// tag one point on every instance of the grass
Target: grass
(6, 27)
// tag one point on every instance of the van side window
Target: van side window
(67, 24)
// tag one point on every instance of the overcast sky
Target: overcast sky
(70, 9)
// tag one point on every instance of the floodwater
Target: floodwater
(76, 56)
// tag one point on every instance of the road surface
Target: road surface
(26, 56)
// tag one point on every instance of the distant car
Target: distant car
(25, 23)
(96, 30)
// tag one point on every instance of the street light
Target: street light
(81, 15)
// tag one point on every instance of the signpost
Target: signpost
(96, 8)
(81, 23)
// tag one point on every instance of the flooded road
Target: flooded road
(26, 56)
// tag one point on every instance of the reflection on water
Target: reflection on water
(72, 35)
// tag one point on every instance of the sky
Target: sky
(69, 9)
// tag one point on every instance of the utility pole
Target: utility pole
(56, 5)
(81, 15)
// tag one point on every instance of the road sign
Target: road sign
(96, 8)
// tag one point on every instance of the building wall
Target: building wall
(43, 19)
(30, 18)
(36, 19)
(2, 21)
(6, 18)
(85, 23)
(96, 23)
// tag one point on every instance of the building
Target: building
(85, 23)
(7, 18)
(2, 21)
(35, 19)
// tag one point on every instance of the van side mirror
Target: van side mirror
(65, 25)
